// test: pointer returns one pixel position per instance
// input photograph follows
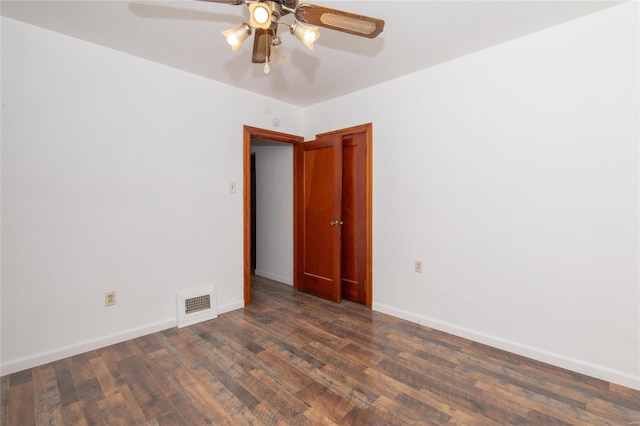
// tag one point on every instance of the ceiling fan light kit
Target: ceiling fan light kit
(264, 18)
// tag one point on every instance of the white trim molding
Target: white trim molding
(82, 347)
(576, 365)
(279, 278)
(98, 343)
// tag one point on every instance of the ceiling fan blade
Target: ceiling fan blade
(261, 45)
(231, 2)
(340, 21)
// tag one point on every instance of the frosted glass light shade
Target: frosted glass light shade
(305, 33)
(278, 57)
(236, 36)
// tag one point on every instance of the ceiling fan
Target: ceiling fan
(264, 18)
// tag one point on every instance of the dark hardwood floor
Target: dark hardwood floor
(290, 358)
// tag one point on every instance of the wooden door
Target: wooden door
(353, 270)
(318, 208)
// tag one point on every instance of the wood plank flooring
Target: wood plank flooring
(293, 359)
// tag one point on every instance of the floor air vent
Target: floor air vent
(196, 305)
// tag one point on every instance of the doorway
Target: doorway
(249, 134)
(272, 210)
(252, 132)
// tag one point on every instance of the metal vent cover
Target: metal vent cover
(196, 305)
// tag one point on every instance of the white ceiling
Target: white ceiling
(186, 35)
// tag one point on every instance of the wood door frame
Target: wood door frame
(367, 129)
(249, 133)
(254, 132)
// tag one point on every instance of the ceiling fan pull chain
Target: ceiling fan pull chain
(266, 56)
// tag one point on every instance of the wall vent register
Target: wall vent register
(196, 305)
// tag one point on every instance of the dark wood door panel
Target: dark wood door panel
(318, 209)
(313, 253)
(319, 164)
(354, 217)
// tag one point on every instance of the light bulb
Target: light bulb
(261, 15)
(309, 37)
(233, 41)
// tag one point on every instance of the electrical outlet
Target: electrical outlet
(418, 266)
(110, 298)
(232, 187)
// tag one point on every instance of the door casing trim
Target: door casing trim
(254, 132)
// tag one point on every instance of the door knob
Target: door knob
(336, 222)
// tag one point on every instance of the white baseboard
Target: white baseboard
(101, 342)
(230, 307)
(89, 345)
(576, 365)
(579, 366)
(279, 278)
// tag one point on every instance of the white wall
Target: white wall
(0, 197)
(274, 220)
(512, 173)
(115, 176)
